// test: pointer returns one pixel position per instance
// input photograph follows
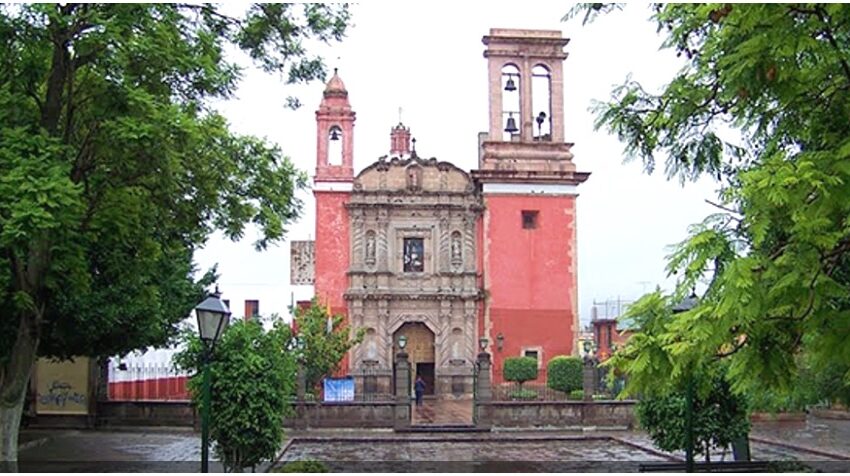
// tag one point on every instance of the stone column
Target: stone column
(402, 391)
(483, 390)
(589, 379)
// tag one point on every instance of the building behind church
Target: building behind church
(456, 261)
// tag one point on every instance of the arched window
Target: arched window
(510, 102)
(335, 146)
(541, 102)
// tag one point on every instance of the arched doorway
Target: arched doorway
(420, 351)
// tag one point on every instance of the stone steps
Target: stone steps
(443, 428)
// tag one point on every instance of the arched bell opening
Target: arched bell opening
(335, 140)
(510, 102)
(541, 102)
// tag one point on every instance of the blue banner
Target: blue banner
(339, 389)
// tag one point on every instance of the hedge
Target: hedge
(564, 373)
(520, 369)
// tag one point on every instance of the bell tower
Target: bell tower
(332, 187)
(334, 134)
(529, 184)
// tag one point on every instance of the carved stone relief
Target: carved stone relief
(302, 262)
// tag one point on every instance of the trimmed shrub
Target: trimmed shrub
(564, 373)
(520, 369)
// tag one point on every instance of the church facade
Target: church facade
(456, 261)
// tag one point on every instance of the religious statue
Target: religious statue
(456, 252)
(370, 247)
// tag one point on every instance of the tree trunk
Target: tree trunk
(14, 379)
(10, 422)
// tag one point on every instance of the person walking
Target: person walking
(419, 389)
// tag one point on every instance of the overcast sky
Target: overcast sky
(429, 62)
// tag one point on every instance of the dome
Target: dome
(335, 87)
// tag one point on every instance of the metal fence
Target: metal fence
(370, 385)
(145, 381)
(538, 390)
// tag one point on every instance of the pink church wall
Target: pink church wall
(530, 276)
(332, 252)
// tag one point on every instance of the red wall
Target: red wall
(332, 252)
(168, 388)
(530, 276)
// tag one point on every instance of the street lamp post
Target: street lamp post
(686, 305)
(213, 316)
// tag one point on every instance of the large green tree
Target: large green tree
(114, 168)
(320, 341)
(762, 104)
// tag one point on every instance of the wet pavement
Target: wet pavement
(448, 454)
(817, 442)
(143, 450)
(442, 412)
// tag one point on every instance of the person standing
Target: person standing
(419, 389)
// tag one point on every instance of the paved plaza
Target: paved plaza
(442, 412)
(820, 443)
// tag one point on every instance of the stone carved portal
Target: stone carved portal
(420, 351)
(413, 272)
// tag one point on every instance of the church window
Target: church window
(532, 353)
(529, 219)
(414, 251)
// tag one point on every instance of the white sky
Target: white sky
(429, 61)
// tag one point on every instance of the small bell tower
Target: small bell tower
(334, 134)
(529, 186)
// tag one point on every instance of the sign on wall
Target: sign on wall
(339, 389)
(62, 387)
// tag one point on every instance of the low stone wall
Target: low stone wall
(147, 413)
(614, 413)
(343, 415)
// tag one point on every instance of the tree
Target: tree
(520, 369)
(762, 104)
(251, 379)
(319, 348)
(719, 418)
(114, 168)
(720, 415)
(564, 373)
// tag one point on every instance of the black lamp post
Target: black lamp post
(683, 306)
(213, 316)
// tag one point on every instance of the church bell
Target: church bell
(510, 86)
(510, 126)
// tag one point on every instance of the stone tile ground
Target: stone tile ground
(823, 444)
(463, 455)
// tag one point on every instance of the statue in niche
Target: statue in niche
(456, 248)
(414, 177)
(370, 247)
(372, 349)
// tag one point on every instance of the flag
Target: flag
(330, 320)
